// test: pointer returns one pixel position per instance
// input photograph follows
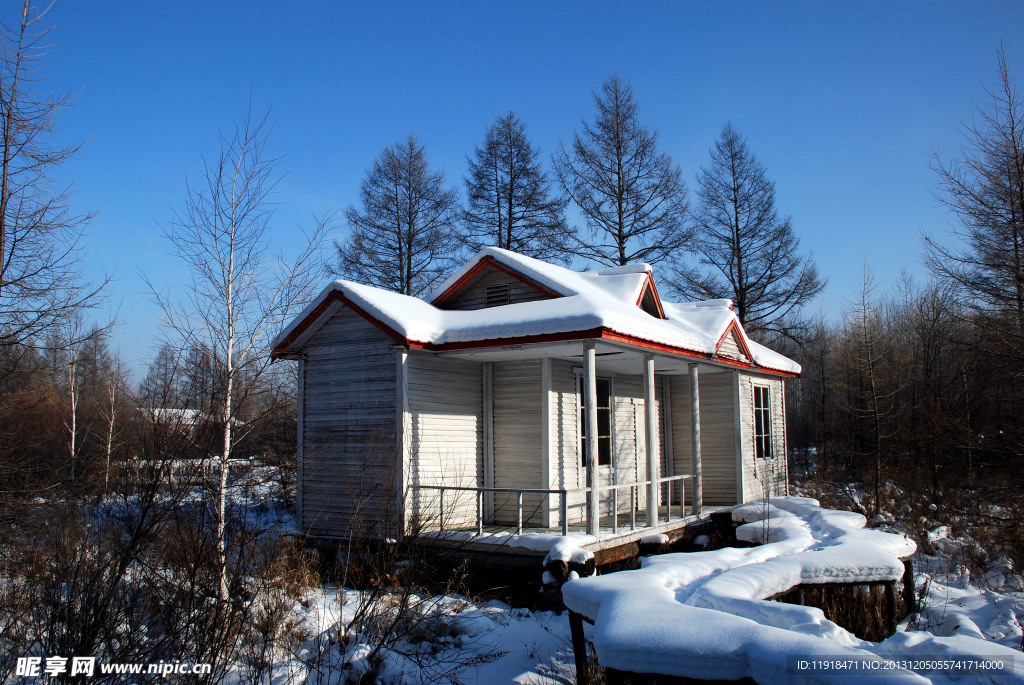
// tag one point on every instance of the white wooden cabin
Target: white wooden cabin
(471, 408)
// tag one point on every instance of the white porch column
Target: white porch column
(590, 416)
(404, 480)
(650, 443)
(698, 483)
(487, 376)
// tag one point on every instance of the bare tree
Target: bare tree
(632, 197)
(109, 405)
(984, 187)
(239, 296)
(509, 196)
(744, 250)
(40, 235)
(404, 238)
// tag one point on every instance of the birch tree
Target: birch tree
(240, 295)
(632, 197)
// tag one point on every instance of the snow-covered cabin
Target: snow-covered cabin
(470, 407)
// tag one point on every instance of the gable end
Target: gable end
(732, 346)
(649, 300)
(492, 284)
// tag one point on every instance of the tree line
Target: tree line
(410, 231)
(923, 387)
(117, 492)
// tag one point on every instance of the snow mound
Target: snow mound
(568, 551)
(706, 614)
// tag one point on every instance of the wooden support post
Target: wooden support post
(579, 648)
(651, 444)
(488, 439)
(590, 415)
(698, 483)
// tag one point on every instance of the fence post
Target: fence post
(479, 512)
(615, 509)
(564, 512)
(440, 518)
(519, 512)
(632, 507)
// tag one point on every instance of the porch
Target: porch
(519, 439)
(617, 506)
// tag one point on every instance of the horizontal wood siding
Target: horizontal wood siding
(445, 436)
(565, 414)
(473, 295)
(717, 435)
(627, 435)
(730, 347)
(763, 476)
(517, 438)
(348, 430)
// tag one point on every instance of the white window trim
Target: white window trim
(770, 419)
(581, 468)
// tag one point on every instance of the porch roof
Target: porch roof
(592, 305)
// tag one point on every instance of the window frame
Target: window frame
(763, 430)
(582, 423)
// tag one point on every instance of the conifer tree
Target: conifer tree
(404, 237)
(743, 249)
(633, 198)
(509, 196)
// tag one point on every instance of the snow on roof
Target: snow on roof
(706, 614)
(606, 298)
(622, 282)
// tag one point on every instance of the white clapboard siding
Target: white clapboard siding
(730, 347)
(762, 476)
(445, 436)
(627, 436)
(567, 470)
(348, 430)
(473, 295)
(517, 397)
(717, 435)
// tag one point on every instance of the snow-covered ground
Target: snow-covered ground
(464, 643)
(459, 641)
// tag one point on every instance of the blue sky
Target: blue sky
(842, 102)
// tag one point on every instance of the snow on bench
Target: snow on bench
(707, 614)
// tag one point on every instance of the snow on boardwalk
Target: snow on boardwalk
(706, 614)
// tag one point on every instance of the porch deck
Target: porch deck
(536, 541)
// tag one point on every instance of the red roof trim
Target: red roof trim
(734, 328)
(487, 261)
(602, 334)
(333, 296)
(649, 285)
(599, 333)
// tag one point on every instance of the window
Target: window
(762, 422)
(497, 295)
(604, 422)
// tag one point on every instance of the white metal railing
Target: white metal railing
(563, 495)
(633, 488)
(519, 492)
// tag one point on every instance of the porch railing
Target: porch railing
(563, 494)
(633, 489)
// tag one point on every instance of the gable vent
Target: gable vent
(497, 295)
